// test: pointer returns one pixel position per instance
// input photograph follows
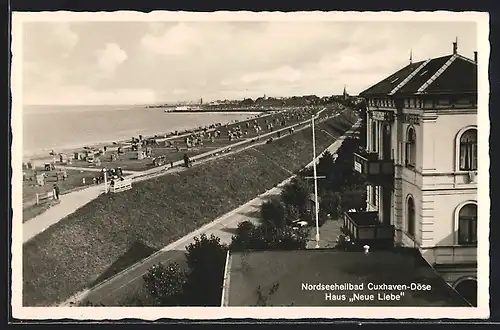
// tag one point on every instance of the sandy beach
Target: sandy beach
(39, 158)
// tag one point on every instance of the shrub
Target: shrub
(166, 284)
(206, 258)
(296, 194)
(272, 214)
(265, 238)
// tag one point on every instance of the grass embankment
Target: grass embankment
(30, 189)
(74, 180)
(71, 255)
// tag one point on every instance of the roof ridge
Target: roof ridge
(437, 74)
(409, 77)
(466, 59)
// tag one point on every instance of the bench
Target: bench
(45, 197)
(120, 186)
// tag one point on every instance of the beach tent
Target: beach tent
(40, 179)
(63, 158)
(140, 154)
(79, 155)
(49, 166)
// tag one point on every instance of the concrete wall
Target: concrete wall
(441, 131)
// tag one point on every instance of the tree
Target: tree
(206, 258)
(330, 202)
(248, 101)
(244, 227)
(296, 193)
(353, 199)
(292, 213)
(166, 284)
(268, 238)
(325, 164)
(272, 214)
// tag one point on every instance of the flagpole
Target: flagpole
(315, 184)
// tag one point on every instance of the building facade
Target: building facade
(421, 162)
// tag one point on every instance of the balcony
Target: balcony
(453, 255)
(378, 172)
(365, 228)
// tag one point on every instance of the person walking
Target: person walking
(56, 192)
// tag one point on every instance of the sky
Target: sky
(101, 63)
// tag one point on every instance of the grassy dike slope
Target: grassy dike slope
(69, 256)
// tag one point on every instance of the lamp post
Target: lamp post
(315, 177)
(315, 184)
(105, 180)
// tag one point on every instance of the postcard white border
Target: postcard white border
(213, 313)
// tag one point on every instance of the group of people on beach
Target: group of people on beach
(112, 174)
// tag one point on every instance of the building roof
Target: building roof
(250, 277)
(385, 86)
(441, 75)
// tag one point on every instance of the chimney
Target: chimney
(454, 48)
(475, 56)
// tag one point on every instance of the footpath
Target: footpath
(71, 202)
(109, 291)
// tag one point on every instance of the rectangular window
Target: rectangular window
(410, 154)
(467, 230)
(374, 195)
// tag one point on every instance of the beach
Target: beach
(68, 128)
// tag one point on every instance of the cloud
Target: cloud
(65, 38)
(282, 74)
(110, 58)
(218, 60)
(48, 41)
(178, 40)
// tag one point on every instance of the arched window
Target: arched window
(374, 136)
(467, 224)
(468, 150)
(410, 205)
(411, 148)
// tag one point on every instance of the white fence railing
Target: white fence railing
(120, 185)
(45, 197)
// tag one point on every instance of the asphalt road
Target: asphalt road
(111, 290)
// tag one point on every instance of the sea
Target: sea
(61, 128)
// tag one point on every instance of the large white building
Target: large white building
(421, 162)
